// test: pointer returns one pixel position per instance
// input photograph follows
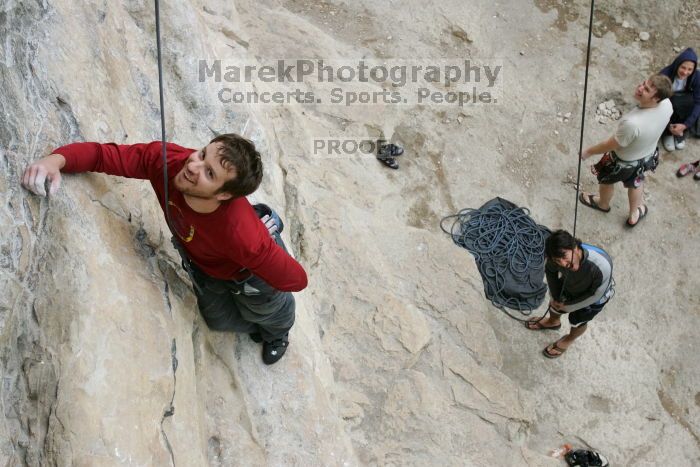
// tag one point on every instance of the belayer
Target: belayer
(580, 283)
(241, 271)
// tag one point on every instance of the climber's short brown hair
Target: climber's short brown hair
(240, 154)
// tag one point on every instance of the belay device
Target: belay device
(508, 247)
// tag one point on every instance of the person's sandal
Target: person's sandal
(535, 325)
(641, 214)
(547, 352)
(687, 169)
(587, 200)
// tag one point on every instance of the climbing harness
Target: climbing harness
(508, 247)
(611, 169)
(610, 288)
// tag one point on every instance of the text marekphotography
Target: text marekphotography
(353, 82)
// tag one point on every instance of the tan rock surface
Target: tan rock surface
(396, 357)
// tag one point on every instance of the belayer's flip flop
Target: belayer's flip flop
(539, 327)
(587, 200)
(547, 352)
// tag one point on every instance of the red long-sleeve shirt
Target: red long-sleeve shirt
(221, 243)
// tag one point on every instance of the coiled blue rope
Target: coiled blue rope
(505, 242)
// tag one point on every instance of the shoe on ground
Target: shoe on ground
(679, 142)
(390, 162)
(584, 458)
(687, 169)
(669, 142)
(273, 351)
(389, 150)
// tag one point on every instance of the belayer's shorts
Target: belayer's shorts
(580, 317)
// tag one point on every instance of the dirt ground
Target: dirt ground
(629, 386)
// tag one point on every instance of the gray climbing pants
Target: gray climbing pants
(249, 306)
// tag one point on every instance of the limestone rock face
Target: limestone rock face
(396, 357)
(105, 359)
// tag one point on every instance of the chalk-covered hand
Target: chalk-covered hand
(45, 169)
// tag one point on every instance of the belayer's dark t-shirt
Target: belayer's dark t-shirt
(582, 288)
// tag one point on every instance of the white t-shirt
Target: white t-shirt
(639, 130)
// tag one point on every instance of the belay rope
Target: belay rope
(506, 240)
(583, 119)
(580, 142)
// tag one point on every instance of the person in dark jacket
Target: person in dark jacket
(684, 74)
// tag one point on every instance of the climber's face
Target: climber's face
(204, 174)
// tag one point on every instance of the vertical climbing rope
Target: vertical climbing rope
(583, 116)
(162, 120)
(166, 200)
(580, 143)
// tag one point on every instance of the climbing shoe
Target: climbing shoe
(262, 210)
(387, 154)
(389, 150)
(273, 351)
(256, 337)
(584, 458)
(389, 162)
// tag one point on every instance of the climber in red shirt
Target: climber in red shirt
(242, 273)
